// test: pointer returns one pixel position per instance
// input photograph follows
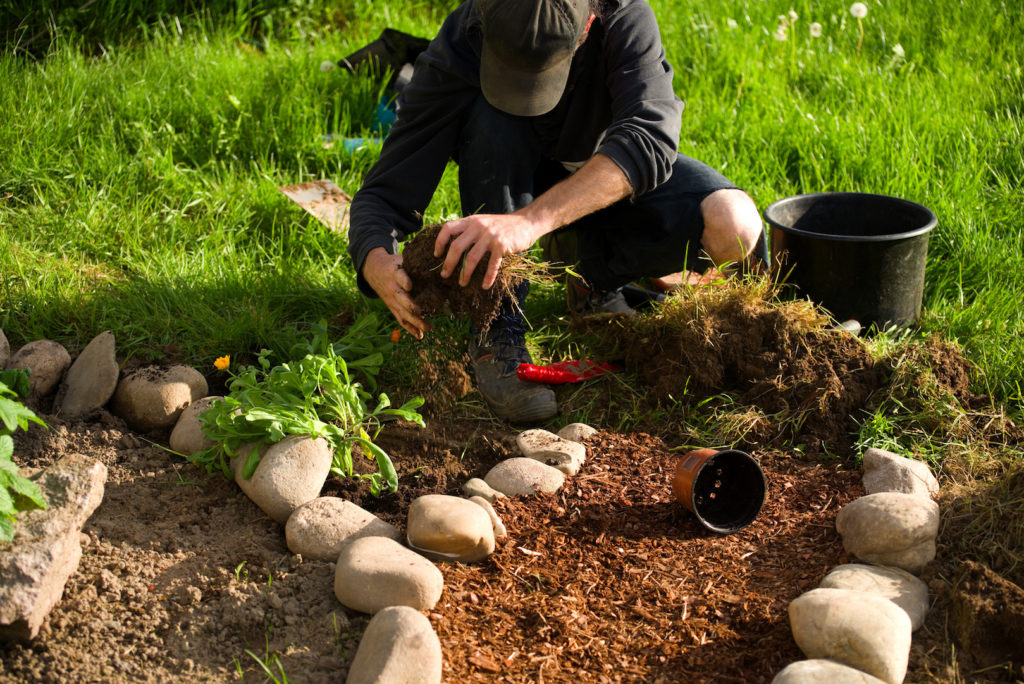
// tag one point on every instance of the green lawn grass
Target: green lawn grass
(140, 158)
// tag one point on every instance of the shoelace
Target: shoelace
(508, 339)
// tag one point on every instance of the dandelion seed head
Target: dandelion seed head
(898, 50)
(815, 30)
(731, 24)
(327, 66)
(780, 33)
(859, 10)
(793, 16)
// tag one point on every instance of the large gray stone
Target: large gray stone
(319, 529)
(374, 573)
(550, 449)
(890, 528)
(290, 473)
(448, 528)
(46, 549)
(188, 437)
(90, 382)
(524, 477)
(399, 646)
(885, 471)
(899, 586)
(864, 631)
(5, 350)
(47, 360)
(822, 672)
(152, 398)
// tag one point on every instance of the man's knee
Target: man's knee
(732, 226)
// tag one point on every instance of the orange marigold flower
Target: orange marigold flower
(395, 334)
(222, 362)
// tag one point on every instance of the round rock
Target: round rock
(890, 528)
(47, 360)
(524, 477)
(188, 437)
(885, 471)
(552, 450)
(5, 350)
(448, 528)
(399, 646)
(290, 473)
(152, 398)
(499, 527)
(577, 432)
(319, 529)
(864, 631)
(822, 672)
(374, 573)
(92, 378)
(477, 487)
(899, 586)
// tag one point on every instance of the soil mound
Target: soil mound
(809, 380)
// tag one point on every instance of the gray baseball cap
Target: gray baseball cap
(527, 51)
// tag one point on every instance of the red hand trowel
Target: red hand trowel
(562, 372)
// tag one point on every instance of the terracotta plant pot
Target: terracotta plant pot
(724, 489)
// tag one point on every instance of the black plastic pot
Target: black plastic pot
(858, 255)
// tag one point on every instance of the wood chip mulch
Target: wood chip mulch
(612, 580)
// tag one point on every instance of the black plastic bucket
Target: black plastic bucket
(858, 255)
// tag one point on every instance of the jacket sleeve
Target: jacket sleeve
(643, 138)
(389, 205)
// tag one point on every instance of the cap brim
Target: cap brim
(522, 93)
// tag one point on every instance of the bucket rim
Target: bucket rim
(932, 218)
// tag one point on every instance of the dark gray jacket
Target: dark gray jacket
(619, 102)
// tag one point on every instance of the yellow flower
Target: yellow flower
(222, 362)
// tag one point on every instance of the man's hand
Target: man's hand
(385, 275)
(599, 183)
(475, 236)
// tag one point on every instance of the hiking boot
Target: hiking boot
(495, 360)
(583, 300)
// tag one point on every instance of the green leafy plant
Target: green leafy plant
(315, 396)
(17, 493)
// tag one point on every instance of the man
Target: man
(562, 117)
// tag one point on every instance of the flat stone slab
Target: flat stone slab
(899, 586)
(552, 450)
(864, 631)
(46, 549)
(885, 471)
(91, 380)
(890, 528)
(399, 646)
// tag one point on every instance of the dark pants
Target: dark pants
(502, 167)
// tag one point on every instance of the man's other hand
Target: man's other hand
(474, 236)
(384, 273)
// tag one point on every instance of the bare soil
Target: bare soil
(609, 580)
